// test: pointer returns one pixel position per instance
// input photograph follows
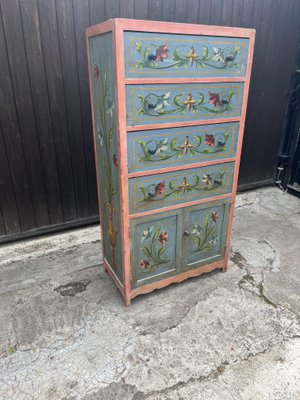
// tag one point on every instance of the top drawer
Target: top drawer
(151, 55)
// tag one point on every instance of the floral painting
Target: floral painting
(105, 126)
(154, 248)
(205, 236)
(160, 191)
(154, 150)
(158, 105)
(159, 57)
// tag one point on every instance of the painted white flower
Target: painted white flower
(196, 230)
(147, 234)
(99, 135)
(166, 98)
(218, 55)
(111, 109)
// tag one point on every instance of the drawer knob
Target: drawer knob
(186, 233)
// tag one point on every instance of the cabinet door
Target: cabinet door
(155, 247)
(205, 233)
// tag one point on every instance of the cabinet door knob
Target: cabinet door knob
(186, 232)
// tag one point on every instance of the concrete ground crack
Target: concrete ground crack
(248, 282)
(212, 375)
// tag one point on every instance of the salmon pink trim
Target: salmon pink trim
(148, 81)
(180, 124)
(180, 167)
(181, 205)
(239, 145)
(177, 278)
(192, 29)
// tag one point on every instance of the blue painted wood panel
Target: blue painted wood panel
(207, 226)
(149, 150)
(155, 247)
(153, 104)
(161, 190)
(103, 92)
(150, 55)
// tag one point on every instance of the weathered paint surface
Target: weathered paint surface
(181, 146)
(103, 90)
(161, 190)
(207, 226)
(191, 169)
(156, 247)
(153, 104)
(164, 55)
(166, 244)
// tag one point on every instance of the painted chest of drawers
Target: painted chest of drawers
(168, 105)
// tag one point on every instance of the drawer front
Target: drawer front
(206, 232)
(151, 55)
(155, 247)
(148, 150)
(153, 104)
(161, 190)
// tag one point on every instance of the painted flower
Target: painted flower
(96, 71)
(189, 102)
(229, 58)
(225, 100)
(210, 140)
(191, 55)
(163, 237)
(186, 146)
(213, 240)
(196, 231)
(184, 185)
(100, 135)
(147, 233)
(162, 52)
(144, 264)
(110, 109)
(115, 160)
(160, 188)
(218, 55)
(165, 99)
(214, 216)
(207, 179)
(214, 99)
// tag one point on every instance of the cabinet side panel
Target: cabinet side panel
(105, 136)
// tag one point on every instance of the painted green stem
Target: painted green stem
(205, 236)
(222, 58)
(154, 151)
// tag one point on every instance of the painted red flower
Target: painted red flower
(214, 216)
(160, 188)
(163, 237)
(144, 264)
(214, 99)
(115, 160)
(162, 52)
(96, 71)
(210, 140)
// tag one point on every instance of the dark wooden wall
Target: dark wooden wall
(47, 175)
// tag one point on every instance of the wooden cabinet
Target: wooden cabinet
(168, 105)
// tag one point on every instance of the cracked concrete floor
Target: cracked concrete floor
(65, 334)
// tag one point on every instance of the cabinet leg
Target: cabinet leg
(105, 269)
(224, 269)
(127, 301)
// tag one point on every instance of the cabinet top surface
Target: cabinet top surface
(168, 27)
